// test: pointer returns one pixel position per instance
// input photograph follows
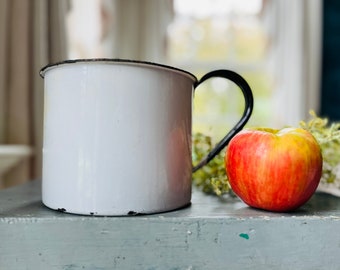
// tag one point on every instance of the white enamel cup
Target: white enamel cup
(117, 136)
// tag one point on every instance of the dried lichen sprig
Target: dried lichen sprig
(325, 134)
(328, 136)
(211, 178)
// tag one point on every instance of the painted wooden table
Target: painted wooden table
(212, 233)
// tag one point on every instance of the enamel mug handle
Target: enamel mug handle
(249, 104)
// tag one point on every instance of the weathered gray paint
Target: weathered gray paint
(210, 234)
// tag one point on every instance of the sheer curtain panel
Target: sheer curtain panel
(298, 34)
(140, 29)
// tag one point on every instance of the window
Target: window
(223, 34)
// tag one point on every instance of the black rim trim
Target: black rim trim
(114, 60)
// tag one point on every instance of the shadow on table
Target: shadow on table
(320, 203)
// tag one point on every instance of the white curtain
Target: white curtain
(127, 29)
(139, 29)
(32, 34)
(298, 41)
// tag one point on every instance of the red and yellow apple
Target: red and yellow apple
(274, 170)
